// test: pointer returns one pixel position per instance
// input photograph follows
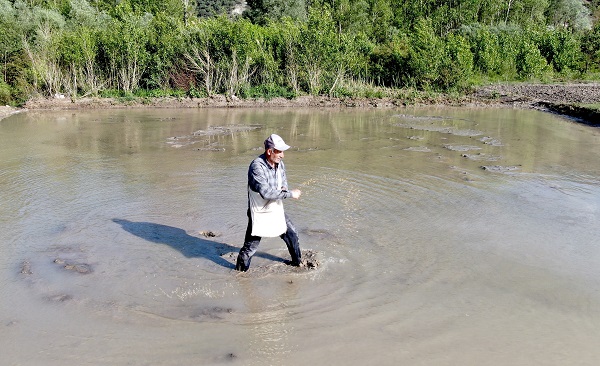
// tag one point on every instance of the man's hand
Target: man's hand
(296, 193)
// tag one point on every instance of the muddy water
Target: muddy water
(444, 237)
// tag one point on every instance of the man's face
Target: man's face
(274, 156)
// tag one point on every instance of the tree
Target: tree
(261, 11)
(572, 14)
(425, 55)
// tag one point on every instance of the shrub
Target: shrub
(530, 62)
(425, 56)
(5, 94)
(562, 50)
(487, 56)
(457, 64)
(389, 62)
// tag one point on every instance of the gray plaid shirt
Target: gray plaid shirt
(262, 178)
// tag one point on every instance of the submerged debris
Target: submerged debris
(209, 234)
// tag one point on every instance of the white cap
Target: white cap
(276, 142)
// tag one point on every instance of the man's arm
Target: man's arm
(295, 192)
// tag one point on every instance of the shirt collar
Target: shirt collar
(264, 157)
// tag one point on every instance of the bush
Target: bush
(5, 94)
(165, 46)
(425, 56)
(485, 47)
(389, 62)
(509, 40)
(456, 68)
(530, 62)
(591, 48)
(562, 50)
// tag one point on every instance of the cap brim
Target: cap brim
(282, 147)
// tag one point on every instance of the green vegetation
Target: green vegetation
(595, 106)
(341, 48)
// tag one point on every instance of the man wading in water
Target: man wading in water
(267, 187)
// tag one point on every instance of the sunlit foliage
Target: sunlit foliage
(288, 48)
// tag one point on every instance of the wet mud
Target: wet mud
(82, 268)
(500, 168)
(206, 137)
(418, 149)
(310, 262)
(26, 268)
(467, 151)
(461, 147)
(59, 298)
(210, 313)
(209, 234)
(481, 157)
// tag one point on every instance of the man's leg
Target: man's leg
(250, 246)
(291, 240)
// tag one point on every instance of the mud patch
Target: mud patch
(82, 268)
(463, 174)
(209, 234)
(441, 129)
(211, 313)
(310, 262)
(418, 149)
(205, 136)
(500, 168)
(481, 157)
(491, 141)
(217, 149)
(461, 147)
(320, 234)
(225, 130)
(419, 118)
(26, 268)
(59, 298)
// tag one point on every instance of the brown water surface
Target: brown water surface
(445, 237)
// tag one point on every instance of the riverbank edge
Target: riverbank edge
(586, 115)
(562, 99)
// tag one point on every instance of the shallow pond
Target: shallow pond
(444, 236)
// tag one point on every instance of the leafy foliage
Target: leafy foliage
(287, 48)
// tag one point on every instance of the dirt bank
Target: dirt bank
(558, 98)
(582, 93)
(564, 99)
(6, 111)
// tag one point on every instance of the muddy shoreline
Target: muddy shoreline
(564, 99)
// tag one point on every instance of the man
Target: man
(267, 187)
